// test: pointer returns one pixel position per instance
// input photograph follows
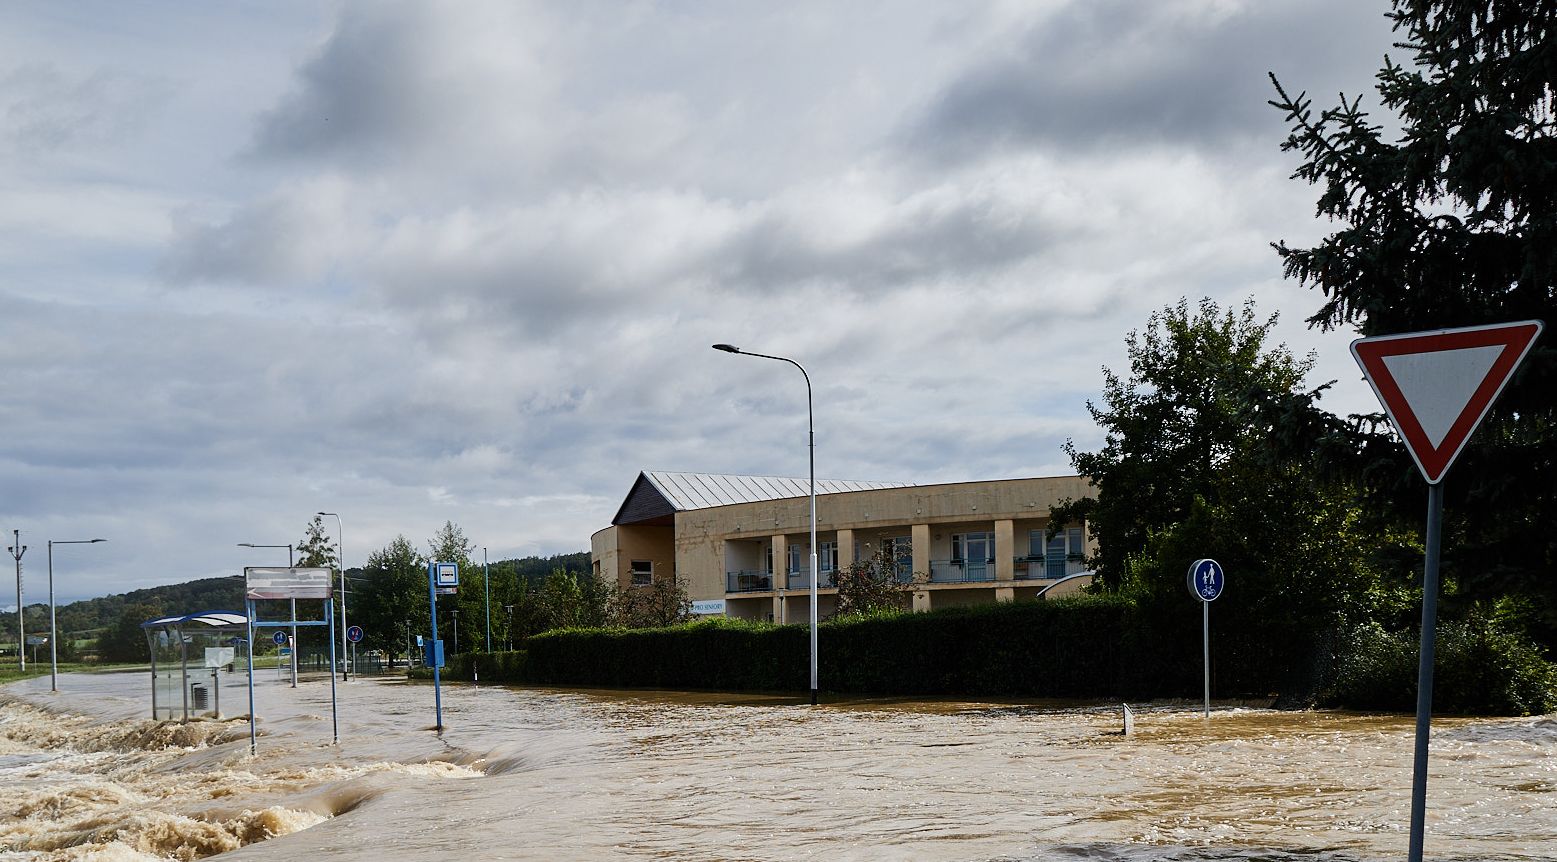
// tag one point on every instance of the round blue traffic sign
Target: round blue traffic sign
(354, 633)
(1205, 580)
(280, 637)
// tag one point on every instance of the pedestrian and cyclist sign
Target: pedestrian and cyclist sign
(1205, 580)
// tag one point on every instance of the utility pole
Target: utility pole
(17, 549)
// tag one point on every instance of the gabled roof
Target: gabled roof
(656, 496)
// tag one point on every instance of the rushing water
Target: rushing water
(562, 775)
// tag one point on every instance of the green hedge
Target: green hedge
(1094, 647)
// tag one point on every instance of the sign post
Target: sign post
(1437, 386)
(442, 578)
(263, 583)
(1205, 581)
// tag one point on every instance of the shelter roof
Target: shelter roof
(214, 619)
(656, 496)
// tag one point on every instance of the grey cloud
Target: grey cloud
(1115, 73)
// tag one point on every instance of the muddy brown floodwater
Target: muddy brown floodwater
(575, 775)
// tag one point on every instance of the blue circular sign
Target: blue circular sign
(354, 633)
(280, 637)
(1206, 580)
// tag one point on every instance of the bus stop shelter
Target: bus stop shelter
(187, 653)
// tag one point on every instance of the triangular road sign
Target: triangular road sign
(1436, 386)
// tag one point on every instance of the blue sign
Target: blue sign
(354, 634)
(1206, 580)
(279, 637)
(445, 575)
(432, 655)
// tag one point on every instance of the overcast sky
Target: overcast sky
(417, 262)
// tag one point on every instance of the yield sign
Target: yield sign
(1437, 386)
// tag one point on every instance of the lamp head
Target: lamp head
(95, 541)
(727, 348)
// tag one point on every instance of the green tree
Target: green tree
(662, 602)
(391, 592)
(872, 584)
(450, 545)
(316, 549)
(1452, 221)
(125, 640)
(1196, 463)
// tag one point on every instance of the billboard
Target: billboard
(281, 583)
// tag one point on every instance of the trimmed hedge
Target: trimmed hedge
(1094, 647)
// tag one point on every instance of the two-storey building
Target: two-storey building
(743, 541)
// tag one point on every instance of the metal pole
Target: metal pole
(432, 595)
(811, 431)
(340, 545)
(1205, 649)
(248, 607)
(17, 549)
(335, 722)
(53, 653)
(487, 580)
(1424, 672)
(290, 564)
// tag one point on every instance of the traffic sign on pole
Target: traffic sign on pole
(354, 634)
(1436, 386)
(1206, 580)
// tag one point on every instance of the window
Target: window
(1061, 555)
(973, 548)
(826, 556)
(797, 558)
(901, 550)
(642, 573)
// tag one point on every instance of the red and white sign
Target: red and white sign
(1436, 386)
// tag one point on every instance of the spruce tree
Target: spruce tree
(1452, 221)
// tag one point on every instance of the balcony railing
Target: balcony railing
(1040, 569)
(961, 571)
(802, 580)
(748, 582)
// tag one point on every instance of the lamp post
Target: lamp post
(53, 635)
(456, 630)
(17, 549)
(294, 606)
(340, 545)
(486, 580)
(811, 430)
(510, 609)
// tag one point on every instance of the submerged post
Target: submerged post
(1424, 669)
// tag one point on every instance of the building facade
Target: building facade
(740, 544)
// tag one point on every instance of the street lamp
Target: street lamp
(811, 429)
(53, 636)
(487, 581)
(294, 606)
(456, 631)
(510, 609)
(17, 549)
(340, 545)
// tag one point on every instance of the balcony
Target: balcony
(961, 571)
(748, 582)
(1040, 569)
(802, 580)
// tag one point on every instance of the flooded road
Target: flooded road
(544, 774)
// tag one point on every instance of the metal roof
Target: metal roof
(215, 619)
(688, 491)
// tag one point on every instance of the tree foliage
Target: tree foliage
(317, 548)
(872, 585)
(1452, 221)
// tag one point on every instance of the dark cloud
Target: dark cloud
(1113, 73)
